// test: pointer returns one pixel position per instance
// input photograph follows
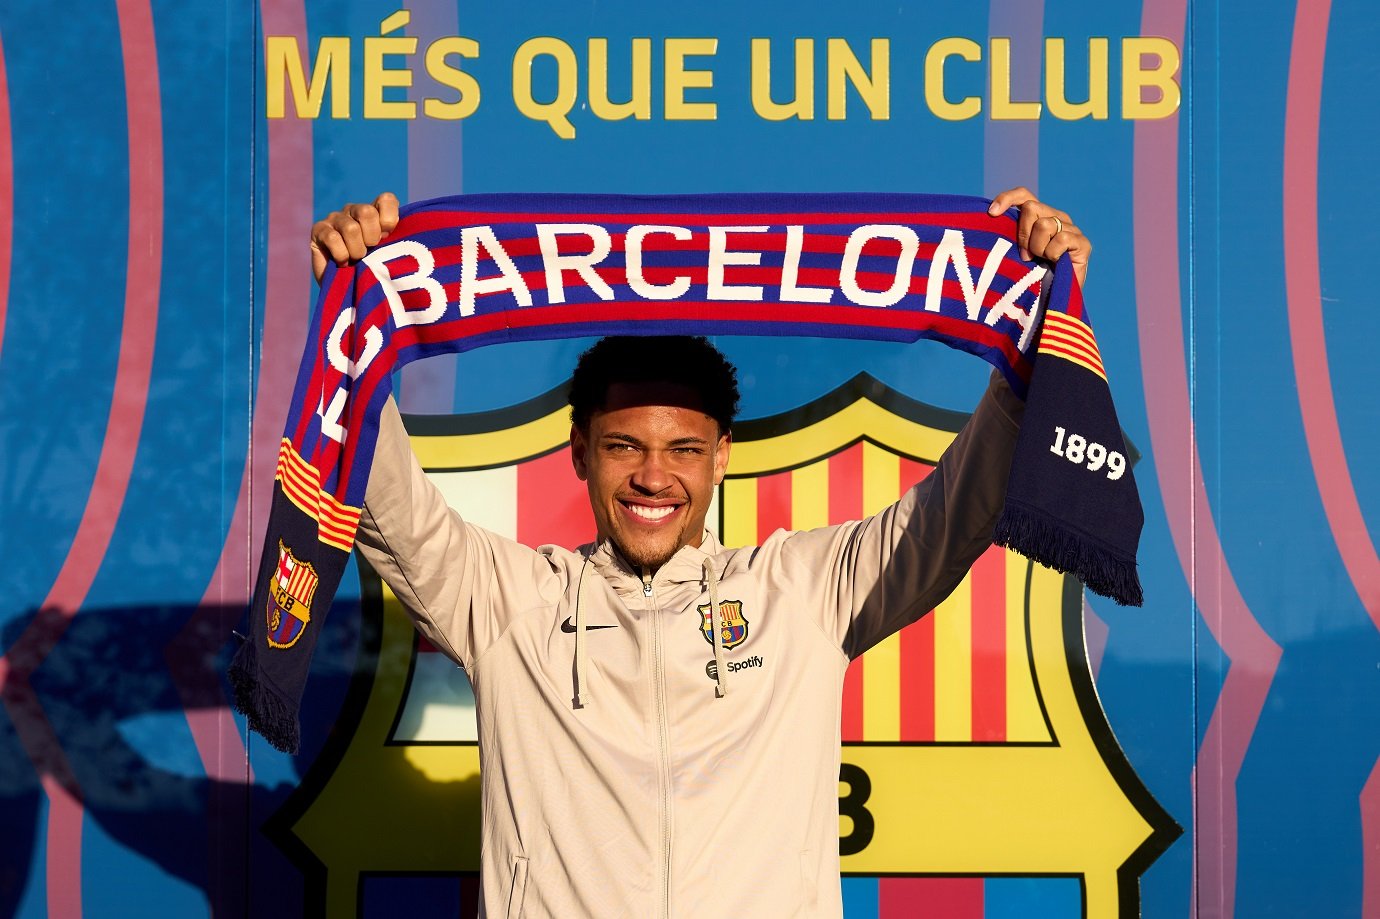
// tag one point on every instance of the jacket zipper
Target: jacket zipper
(663, 741)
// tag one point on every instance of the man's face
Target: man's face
(651, 459)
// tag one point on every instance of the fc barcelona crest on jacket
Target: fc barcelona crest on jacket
(735, 627)
(289, 599)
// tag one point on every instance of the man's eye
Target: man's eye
(619, 448)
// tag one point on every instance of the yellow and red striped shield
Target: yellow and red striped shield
(974, 744)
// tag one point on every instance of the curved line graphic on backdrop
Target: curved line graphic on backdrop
(435, 167)
(6, 194)
(118, 447)
(287, 274)
(1308, 339)
(223, 751)
(1303, 285)
(1011, 149)
(1253, 654)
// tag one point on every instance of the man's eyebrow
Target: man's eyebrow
(690, 441)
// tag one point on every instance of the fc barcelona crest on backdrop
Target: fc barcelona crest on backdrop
(735, 627)
(289, 599)
(993, 682)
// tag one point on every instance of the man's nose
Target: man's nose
(652, 476)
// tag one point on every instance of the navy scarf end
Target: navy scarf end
(1037, 537)
(269, 714)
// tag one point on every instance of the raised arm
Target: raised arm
(876, 575)
(888, 570)
(459, 582)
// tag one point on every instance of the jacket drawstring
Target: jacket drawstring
(716, 623)
(582, 698)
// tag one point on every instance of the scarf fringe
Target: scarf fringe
(1038, 537)
(269, 714)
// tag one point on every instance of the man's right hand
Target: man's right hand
(345, 235)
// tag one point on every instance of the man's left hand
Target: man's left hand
(1043, 231)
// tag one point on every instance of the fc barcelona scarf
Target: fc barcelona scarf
(464, 272)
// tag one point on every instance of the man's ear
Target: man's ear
(721, 451)
(578, 445)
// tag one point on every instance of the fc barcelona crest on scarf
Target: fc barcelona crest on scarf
(735, 627)
(289, 599)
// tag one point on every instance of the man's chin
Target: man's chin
(645, 556)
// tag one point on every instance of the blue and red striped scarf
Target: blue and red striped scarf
(464, 272)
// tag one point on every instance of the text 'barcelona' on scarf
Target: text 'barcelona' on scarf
(463, 272)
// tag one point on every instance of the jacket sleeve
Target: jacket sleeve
(461, 584)
(879, 574)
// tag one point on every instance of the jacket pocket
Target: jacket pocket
(518, 890)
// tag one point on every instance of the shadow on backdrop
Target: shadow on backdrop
(103, 715)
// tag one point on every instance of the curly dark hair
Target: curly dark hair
(681, 360)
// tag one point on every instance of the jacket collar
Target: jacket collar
(686, 565)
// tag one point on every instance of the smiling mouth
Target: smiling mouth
(650, 514)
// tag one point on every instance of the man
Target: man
(659, 715)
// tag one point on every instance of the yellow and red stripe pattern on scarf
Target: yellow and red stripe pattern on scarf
(336, 522)
(1072, 339)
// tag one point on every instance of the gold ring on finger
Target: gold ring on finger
(1058, 224)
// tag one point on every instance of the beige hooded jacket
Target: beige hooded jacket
(698, 778)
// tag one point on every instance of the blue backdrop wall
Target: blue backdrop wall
(161, 162)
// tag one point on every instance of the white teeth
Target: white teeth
(651, 513)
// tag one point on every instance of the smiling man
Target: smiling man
(658, 714)
(651, 439)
